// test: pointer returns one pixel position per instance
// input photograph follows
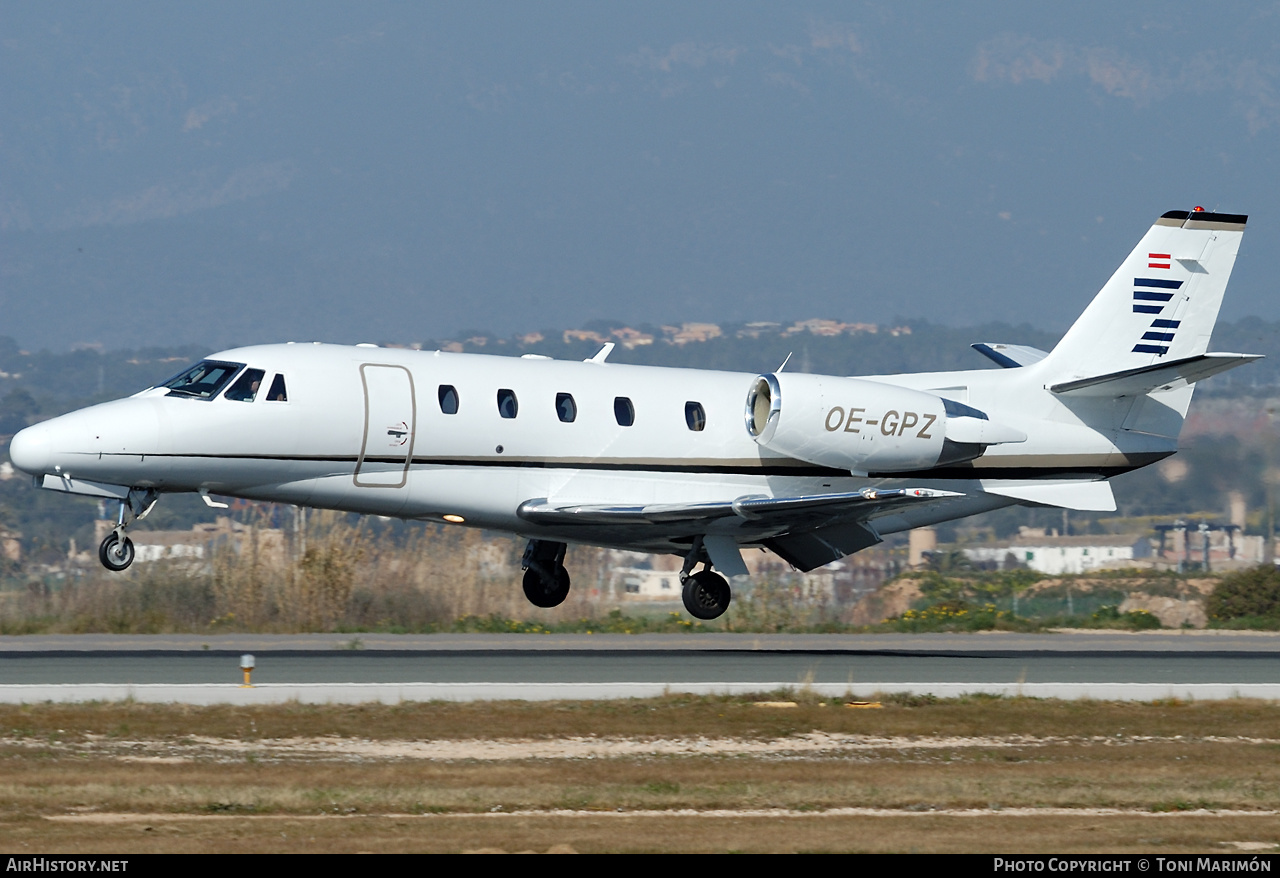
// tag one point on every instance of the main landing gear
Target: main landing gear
(116, 551)
(706, 593)
(546, 582)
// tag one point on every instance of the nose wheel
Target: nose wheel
(116, 553)
(116, 550)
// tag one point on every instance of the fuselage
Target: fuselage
(468, 438)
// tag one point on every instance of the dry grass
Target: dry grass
(676, 774)
(677, 715)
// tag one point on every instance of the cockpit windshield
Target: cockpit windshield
(204, 380)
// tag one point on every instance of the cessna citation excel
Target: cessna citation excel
(694, 463)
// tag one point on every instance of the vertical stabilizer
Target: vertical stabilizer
(1160, 305)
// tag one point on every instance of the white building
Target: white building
(1057, 555)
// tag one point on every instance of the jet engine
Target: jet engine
(866, 426)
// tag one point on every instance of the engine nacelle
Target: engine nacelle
(865, 426)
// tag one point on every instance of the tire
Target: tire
(706, 595)
(113, 559)
(540, 594)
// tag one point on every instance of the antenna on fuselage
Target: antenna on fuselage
(784, 362)
(602, 354)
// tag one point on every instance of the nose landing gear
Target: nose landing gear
(706, 594)
(546, 581)
(116, 550)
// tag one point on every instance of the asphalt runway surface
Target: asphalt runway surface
(350, 668)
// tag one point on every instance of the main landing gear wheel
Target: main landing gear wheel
(546, 593)
(706, 595)
(116, 553)
(546, 582)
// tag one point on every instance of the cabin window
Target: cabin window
(246, 387)
(566, 408)
(204, 380)
(695, 417)
(448, 396)
(277, 393)
(507, 404)
(623, 411)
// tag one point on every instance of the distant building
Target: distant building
(1056, 555)
(632, 338)
(831, 328)
(653, 585)
(10, 544)
(759, 328)
(693, 332)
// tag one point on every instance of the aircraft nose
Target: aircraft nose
(31, 450)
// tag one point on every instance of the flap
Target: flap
(812, 549)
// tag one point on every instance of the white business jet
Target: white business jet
(696, 463)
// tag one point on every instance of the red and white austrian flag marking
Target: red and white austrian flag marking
(1158, 260)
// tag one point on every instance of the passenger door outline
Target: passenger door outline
(388, 397)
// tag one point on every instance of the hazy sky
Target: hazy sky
(232, 173)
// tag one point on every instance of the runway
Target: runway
(392, 668)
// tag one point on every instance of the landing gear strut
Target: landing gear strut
(706, 594)
(546, 582)
(116, 551)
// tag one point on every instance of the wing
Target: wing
(807, 531)
(768, 512)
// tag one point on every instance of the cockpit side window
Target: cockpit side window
(277, 393)
(204, 380)
(246, 387)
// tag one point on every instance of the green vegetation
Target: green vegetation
(958, 615)
(1249, 598)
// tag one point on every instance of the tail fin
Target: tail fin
(1160, 305)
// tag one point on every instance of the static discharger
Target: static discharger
(246, 665)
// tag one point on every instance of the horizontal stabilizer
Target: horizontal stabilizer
(1010, 356)
(1158, 376)
(1091, 496)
